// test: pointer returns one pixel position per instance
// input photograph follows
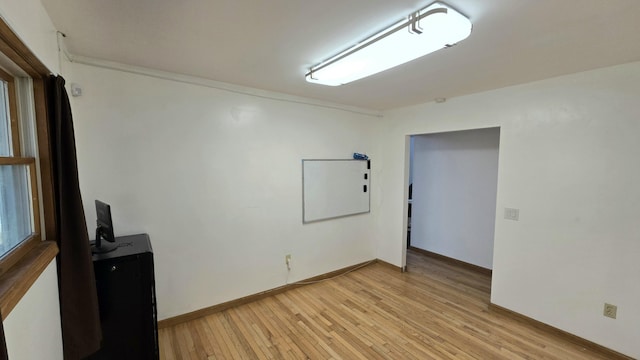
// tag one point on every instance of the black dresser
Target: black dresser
(127, 298)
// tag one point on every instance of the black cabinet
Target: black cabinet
(127, 298)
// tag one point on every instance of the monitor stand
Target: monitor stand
(99, 247)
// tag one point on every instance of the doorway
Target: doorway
(453, 178)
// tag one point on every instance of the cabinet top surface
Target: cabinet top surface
(127, 245)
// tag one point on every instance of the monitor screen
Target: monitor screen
(104, 223)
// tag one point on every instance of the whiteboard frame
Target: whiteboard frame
(339, 216)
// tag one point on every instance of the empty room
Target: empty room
(319, 180)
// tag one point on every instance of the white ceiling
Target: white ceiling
(270, 44)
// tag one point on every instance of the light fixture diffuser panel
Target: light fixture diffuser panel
(394, 46)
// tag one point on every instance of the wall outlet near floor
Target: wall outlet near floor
(287, 260)
(610, 310)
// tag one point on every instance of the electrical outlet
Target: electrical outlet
(287, 260)
(610, 310)
(512, 214)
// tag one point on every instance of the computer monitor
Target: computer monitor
(104, 229)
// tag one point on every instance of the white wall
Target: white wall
(28, 328)
(455, 177)
(568, 161)
(32, 329)
(215, 178)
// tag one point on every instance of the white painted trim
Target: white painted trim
(193, 80)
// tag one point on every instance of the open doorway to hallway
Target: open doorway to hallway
(453, 181)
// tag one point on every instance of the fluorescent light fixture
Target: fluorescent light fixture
(435, 27)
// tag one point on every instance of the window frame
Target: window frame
(22, 266)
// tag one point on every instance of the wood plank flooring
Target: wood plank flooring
(434, 311)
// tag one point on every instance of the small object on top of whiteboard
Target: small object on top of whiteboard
(334, 188)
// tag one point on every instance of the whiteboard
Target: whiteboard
(334, 188)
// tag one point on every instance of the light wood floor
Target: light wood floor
(434, 311)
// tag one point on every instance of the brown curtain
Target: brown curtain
(81, 334)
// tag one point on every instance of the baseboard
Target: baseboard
(390, 266)
(261, 295)
(453, 261)
(606, 352)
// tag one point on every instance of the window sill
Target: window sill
(19, 278)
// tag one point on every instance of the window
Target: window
(19, 212)
(26, 186)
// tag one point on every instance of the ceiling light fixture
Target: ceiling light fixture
(435, 27)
